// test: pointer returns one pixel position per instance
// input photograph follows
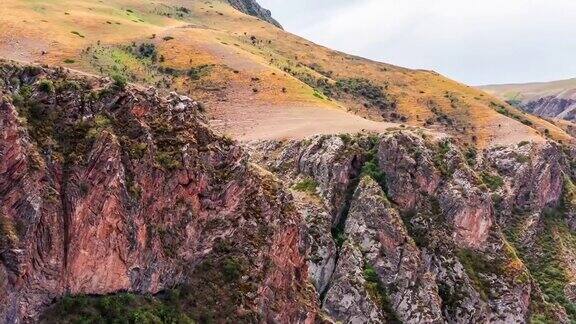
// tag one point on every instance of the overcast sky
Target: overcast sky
(473, 41)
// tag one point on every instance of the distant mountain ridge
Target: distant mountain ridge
(555, 99)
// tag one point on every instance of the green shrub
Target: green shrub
(137, 150)
(118, 308)
(476, 267)
(494, 182)
(372, 169)
(120, 81)
(527, 122)
(471, 155)
(546, 263)
(365, 89)
(378, 293)
(46, 86)
(339, 235)
(69, 86)
(522, 158)
(168, 161)
(147, 50)
(231, 269)
(307, 185)
(523, 143)
(198, 72)
(440, 157)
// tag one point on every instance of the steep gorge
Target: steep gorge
(553, 107)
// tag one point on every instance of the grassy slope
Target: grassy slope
(245, 84)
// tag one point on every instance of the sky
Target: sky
(473, 41)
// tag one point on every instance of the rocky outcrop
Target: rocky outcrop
(105, 189)
(332, 164)
(379, 247)
(252, 8)
(536, 174)
(317, 241)
(430, 240)
(410, 170)
(348, 300)
(415, 174)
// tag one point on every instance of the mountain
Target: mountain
(555, 99)
(184, 162)
(121, 204)
(255, 80)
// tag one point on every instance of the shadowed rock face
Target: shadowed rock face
(252, 8)
(105, 190)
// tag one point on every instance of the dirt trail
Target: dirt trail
(294, 122)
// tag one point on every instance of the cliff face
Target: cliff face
(111, 193)
(105, 190)
(423, 232)
(252, 8)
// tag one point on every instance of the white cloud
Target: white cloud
(475, 41)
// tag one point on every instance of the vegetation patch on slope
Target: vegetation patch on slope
(378, 293)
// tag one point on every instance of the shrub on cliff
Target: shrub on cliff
(493, 182)
(307, 185)
(120, 81)
(46, 86)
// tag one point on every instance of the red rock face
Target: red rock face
(125, 191)
(409, 176)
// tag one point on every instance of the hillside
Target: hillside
(254, 80)
(556, 99)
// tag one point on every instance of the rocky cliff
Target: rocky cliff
(425, 232)
(252, 8)
(107, 189)
(120, 204)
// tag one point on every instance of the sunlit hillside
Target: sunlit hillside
(254, 79)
